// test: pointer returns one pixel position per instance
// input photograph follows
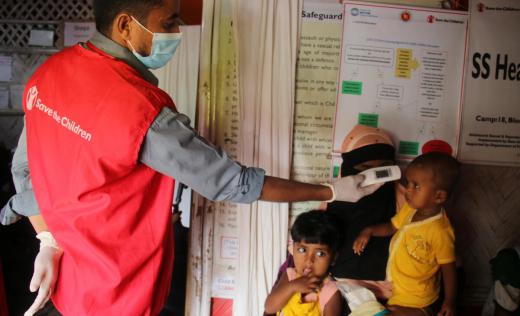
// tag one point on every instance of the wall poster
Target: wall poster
(491, 116)
(402, 70)
(316, 84)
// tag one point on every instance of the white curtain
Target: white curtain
(267, 37)
(199, 270)
(179, 77)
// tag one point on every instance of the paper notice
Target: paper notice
(76, 32)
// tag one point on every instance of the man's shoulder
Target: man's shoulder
(56, 61)
(65, 54)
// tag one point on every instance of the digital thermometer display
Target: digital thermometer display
(380, 174)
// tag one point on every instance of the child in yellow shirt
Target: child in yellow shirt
(308, 289)
(423, 241)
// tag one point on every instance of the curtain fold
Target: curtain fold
(267, 36)
(199, 270)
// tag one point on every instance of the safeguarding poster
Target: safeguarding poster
(491, 116)
(316, 83)
(402, 70)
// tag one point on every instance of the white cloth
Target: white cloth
(199, 270)
(267, 34)
(358, 297)
(507, 296)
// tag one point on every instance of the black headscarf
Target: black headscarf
(373, 209)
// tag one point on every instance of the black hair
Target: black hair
(445, 169)
(317, 227)
(105, 11)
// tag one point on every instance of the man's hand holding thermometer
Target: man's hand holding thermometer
(380, 175)
(353, 188)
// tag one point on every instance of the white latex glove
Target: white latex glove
(347, 189)
(46, 266)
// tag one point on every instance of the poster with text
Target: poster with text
(316, 83)
(491, 116)
(402, 70)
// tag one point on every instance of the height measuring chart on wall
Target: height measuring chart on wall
(402, 70)
(225, 241)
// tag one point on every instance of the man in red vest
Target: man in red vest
(103, 145)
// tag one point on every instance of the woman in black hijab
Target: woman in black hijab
(364, 148)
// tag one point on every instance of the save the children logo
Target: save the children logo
(406, 16)
(32, 94)
(32, 101)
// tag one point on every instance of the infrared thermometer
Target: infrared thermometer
(380, 174)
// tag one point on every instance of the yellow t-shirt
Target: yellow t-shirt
(416, 252)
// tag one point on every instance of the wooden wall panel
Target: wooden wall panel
(486, 217)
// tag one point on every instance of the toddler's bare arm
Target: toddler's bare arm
(449, 278)
(379, 230)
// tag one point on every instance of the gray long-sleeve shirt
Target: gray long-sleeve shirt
(171, 147)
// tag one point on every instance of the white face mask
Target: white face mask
(164, 46)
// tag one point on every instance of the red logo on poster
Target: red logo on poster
(405, 16)
(481, 7)
(430, 18)
(437, 145)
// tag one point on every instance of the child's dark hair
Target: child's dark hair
(317, 227)
(445, 169)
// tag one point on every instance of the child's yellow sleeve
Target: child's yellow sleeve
(444, 246)
(402, 216)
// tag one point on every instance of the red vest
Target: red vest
(86, 117)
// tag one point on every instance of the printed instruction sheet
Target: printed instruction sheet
(402, 70)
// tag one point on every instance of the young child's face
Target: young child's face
(312, 259)
(421, 191)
